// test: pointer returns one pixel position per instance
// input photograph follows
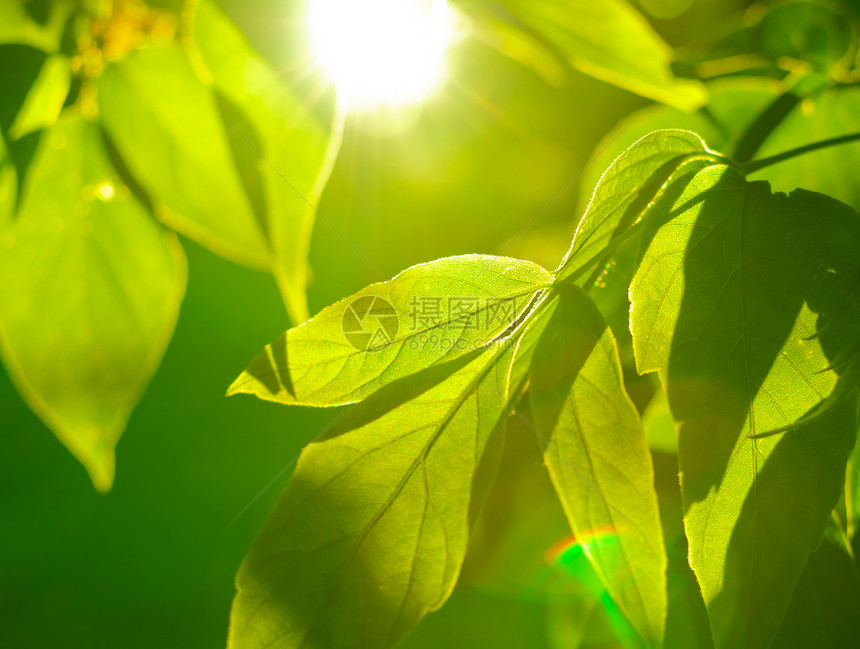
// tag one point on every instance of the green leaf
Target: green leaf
(372, 530)
(8, 191)
(627, 189)
(292, 156)
(659, 425)
(823, 611)
(429, 314)
(17, 25)
(806, 31)
(852, 490)
(609, 40)
(91, 294)
(45, 100)
(665, 9)
(598, 458)
(730, 306)
(166, 126)
(733, 105)
(833, 113)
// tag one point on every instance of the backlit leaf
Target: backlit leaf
(371, 532)
(598, 458)
(428, 314)
(46, 97)
(91, 292)
(291, 159)
(609, 40)
(166, 125)
(626, 190)
(17, 24)
(734, 284)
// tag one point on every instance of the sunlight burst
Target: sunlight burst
(381, 52)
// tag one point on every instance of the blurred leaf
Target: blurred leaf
(520, 524)
(19, 25)
(498, 28)
(481, 620)
(609, 40)
(91, 294)
(778, 40)
(833, 113)
(666, 9)
(852, 489)
(733, 106)
(293, 144)
(734, 284)
(45, 100)
(627, 189)
(166, 125)
(371, 532)
(8, 191)
(807, 31)
(384, 332)
(598, 458)
(659, 425)
(823, 611)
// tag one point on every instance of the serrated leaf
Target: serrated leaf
(293, 145)
(92, 287)
(165, 124)
(598, 458)
(428, 314)
(626, 190)
(371, 532)
(734, 284)
(609, 40)
(45, 100)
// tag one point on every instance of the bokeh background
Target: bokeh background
(151, 564)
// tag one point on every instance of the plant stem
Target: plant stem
(293, 292)
(764, 125)
(756, 165)
(849, 502)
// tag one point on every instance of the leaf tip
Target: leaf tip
(101, 468)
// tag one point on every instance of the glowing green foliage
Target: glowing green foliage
(609, 40)
(734, 284)
(167, 128)
(598, 458)
(427, 315)
(92, 287)
(44, 102)
(286, 144)
(372, 531)
(626, 190)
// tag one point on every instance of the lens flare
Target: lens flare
(381, 53)
(571, 556)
